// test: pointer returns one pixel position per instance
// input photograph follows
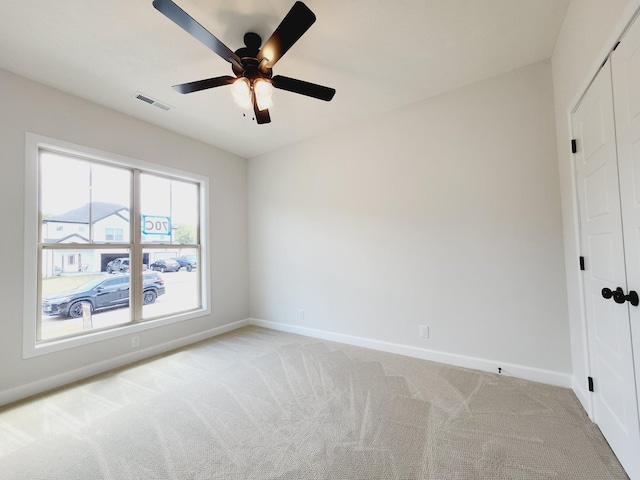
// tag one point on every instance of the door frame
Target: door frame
(579, 385)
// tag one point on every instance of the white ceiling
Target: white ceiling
(379, 55)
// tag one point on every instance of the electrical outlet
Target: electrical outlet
(135, 341)
(424, 331)
(300, 314)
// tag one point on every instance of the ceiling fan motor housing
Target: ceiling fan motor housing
(251, 67)
(254, 61)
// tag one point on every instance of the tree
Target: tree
(184, 234)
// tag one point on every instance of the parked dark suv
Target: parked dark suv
(103, 292)
(187, 261)
(168, 265)
(120, 265)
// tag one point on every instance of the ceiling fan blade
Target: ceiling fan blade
(183, 20)
(303, 88)
(292, 27)
(204, 84)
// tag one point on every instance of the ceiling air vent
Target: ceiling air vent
(151, 101)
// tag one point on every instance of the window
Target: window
(110, 234)
(116, 266)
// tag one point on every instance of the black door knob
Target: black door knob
(633, 298)
(619, 296)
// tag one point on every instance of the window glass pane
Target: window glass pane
(169, 210)
(171, 281)
(110, 200)
(155, 205)
(78, 295)
(185, 212)
(64, 196)
(82, 201)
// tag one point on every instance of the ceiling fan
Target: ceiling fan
(251, 64)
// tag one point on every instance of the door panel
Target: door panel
(626, 73)
(610, 378)
(595, 132)
(596, 193)
(601, 255)
(610, 345)
(608, 333)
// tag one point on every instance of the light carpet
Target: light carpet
(261, 404)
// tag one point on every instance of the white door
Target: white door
(611, 353)
(626, 93)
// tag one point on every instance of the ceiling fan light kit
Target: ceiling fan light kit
(241, 91)
(263, 91)
(253, 84)
(244, 91)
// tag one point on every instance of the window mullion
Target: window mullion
(136, 250)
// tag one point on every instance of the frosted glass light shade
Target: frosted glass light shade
(241, 91)
(263, 90)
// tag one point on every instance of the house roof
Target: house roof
(99, 211)
(73, 238)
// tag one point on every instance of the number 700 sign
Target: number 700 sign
(155, 225)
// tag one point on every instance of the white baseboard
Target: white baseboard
(520, 371)
(39, 386)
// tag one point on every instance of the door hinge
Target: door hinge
(590, 380)
(616, 45)
(581, 263)
(574, 146)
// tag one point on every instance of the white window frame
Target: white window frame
(33, 144)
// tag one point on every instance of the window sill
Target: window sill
(33, 349)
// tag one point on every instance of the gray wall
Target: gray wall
(31, 107)
(445, 213)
